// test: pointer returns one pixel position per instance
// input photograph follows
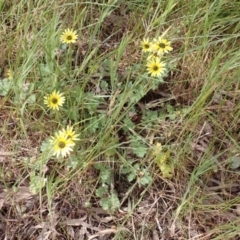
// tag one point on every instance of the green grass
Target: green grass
(114, 183)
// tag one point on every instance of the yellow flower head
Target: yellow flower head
(69, 36)
(9, 74)
(54, 100)
(146, 45)
(156, 68)
(61, 144)
(162, 46)
(70, 134)
(154, 56)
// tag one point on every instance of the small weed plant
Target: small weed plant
(73, 111)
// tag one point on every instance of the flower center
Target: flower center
(155, 68)
(61, 144)
(69, 37)
(54, 100)
(162, 45)
(147, 46)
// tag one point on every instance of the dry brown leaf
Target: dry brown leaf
(22, 194)
(80, 222)
(155, 235)
(173, 229)
(112, 102)
(102, 233)
(238, 209)
(82, 233)
(44, 235)
(104, 219)
(1, 203)
(3, 153)
(70, 232)
(107, 219)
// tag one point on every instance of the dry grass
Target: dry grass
(201, 201)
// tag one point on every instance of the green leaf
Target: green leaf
(102, 191)
(91, 102)
(145, 179)
(36, 183)
(31, 99)
(131, 176)
(139, 148)
(5, 86)
(128, 123)
(235, 163)
(73, 162)
(44, 70)
(173, 116)
(63, 46)
(110, 203)
(152, 115)
(73, 113)
(170, 109)
(105, 173)
(126, 169)
(104, 85)
(46, 146)
(106, 176)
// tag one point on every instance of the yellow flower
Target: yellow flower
(70, 134)
(146, 45)
(69, 36)
(162, 46)
(155, 68)
(9, 74)
(54, 100)
(61, 144)
(153, 56)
